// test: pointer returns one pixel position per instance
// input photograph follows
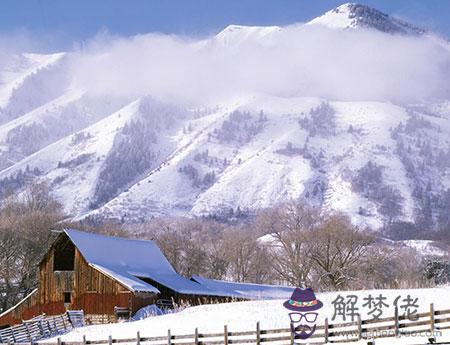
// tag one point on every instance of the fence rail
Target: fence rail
(346, 332)
(41, 327)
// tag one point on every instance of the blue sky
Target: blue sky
(60, 23)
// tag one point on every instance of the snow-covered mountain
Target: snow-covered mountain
(353, 15)
(135, 157)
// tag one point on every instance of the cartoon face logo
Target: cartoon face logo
(303, 304)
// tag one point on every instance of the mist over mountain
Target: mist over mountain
(350, 111)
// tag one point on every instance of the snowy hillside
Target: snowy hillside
(212, 166)
(243, 316)
(17, 80)
(238, 35)
(139, 154)
(351, 15)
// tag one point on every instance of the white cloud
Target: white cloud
(297, 60)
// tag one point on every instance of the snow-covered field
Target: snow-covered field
(241, 316)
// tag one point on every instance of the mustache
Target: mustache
(303, 328)
(303, 331)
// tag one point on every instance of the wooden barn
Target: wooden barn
(101, 275)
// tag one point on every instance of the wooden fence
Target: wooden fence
(41, 327)
(348, 332)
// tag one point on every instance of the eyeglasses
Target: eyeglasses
(309, 317)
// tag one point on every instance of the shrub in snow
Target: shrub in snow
(321, 120)
(369, 181)
(146, 312)
(438, 272)
(240, 128)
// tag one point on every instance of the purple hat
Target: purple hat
(303, 300)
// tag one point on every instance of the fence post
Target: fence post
(359, 327)
(110, 340)
(49, 327)
(13, 335)
(59, 341)
(64, 323)
(396, 323)
(28, 332)
(69, 318)
(258, 334)
(169, 337)
(292, 337)
(84, 339)
(196, 336)
(138, 338)
(41, 328)
(225, 334)
(432, 317)
(326, 330)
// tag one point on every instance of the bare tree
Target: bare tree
(26, 221)
(262, 271)
(392, 267)
(337, 251)
(186, 243)
(217, 258)
(241, 248)
(289, 227)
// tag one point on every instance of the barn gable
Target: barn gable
(134, 263)
(116, 257)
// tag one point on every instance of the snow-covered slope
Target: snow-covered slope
(73, 163)
(352, 15)
(21, 89)
(428, 248)
(133, 157)
(293, 160)
(238, 35)
(44, 125)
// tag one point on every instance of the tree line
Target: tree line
(290, 244)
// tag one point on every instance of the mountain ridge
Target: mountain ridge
(134, 158)
(352, 15)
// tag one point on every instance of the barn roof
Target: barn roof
(126, 259)
(246, 290)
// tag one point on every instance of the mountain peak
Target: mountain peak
(238, 34)
(353, 15)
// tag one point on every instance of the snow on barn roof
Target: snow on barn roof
(247, 290)
(126, 259)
